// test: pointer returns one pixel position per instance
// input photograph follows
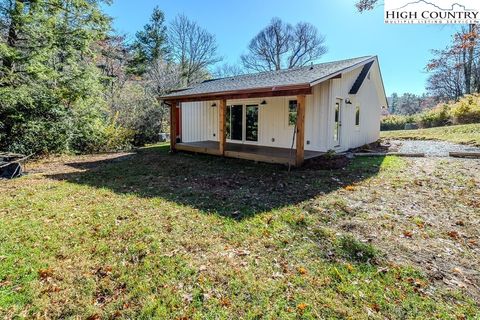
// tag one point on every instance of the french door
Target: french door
(242, 123)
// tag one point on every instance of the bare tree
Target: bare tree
(268, 47)
(163, 77)
(281, 45)
(446, 81)
(365, 5)
(228, 70)
(466, 42)
(112, 61)
(193, 48)
(306, 45)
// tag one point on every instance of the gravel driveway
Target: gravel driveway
(431, 148)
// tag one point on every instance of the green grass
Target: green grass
(184, 236)
(464, 134)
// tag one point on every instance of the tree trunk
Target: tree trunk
(468, 59)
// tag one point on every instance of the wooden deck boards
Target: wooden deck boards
(247, 151)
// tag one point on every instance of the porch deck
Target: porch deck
(247, 151)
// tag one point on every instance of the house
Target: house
(285, 116)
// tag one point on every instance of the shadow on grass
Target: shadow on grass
(228, 187)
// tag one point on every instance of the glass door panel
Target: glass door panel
(251, 117)
(235, 122)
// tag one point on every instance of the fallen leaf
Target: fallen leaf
(242, 252)
(302, 270)
(453, 234)
(45, 273)
(457, 270)
(225, 302)
(302, 306)
(350, 268)
(420, 225)
(407, 234)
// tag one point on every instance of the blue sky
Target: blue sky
(403, 50)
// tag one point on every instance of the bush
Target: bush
(35, 121)
(139, 111)
(467, 110)
(436, 117)
(395, 122)
(118, 137)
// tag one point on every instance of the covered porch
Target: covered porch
(250, 151)
(247, 151)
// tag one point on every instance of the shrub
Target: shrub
(139, 111)
(467, 110)
(118, 137)
(35, 121)
(436, 117)
(395, 122)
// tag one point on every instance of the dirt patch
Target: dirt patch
(428, 217)
(68, 164)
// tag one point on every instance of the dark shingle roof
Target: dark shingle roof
(295, 76)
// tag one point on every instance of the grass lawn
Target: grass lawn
(153, 235)
(464, 134)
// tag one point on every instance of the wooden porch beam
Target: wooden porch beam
(300, 150)
(173, 126)
(222, 137)
(245, 95)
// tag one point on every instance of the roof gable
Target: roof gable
(361, 77)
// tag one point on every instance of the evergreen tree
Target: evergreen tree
(393, 103)
(50, 87)
(150, 43)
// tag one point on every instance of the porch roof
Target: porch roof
(264, 84)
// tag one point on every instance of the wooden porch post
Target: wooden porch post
(173, 126)
(300, 152)
(222, 126)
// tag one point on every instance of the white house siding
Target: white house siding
(200, 119)
(370, 102)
